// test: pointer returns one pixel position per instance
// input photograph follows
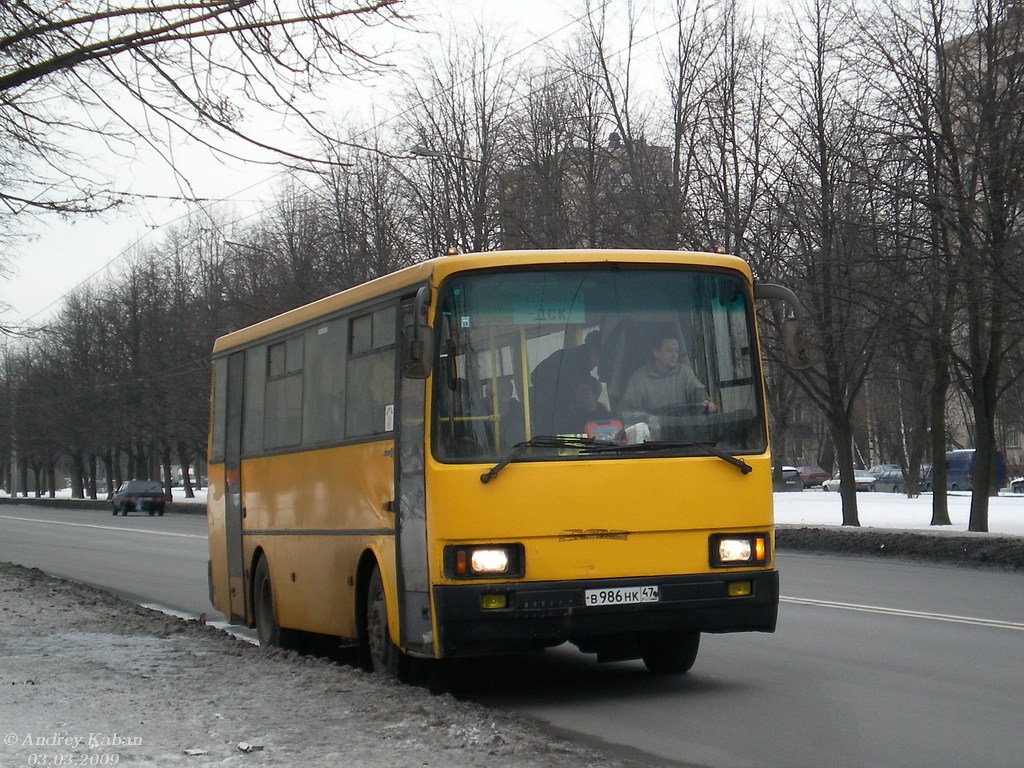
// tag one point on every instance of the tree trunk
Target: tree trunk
(91, 482)
(77, 475)
(940, 502)
(984, 466)
(186, 474)
(844, 458)
(165, 457)
(108, 466)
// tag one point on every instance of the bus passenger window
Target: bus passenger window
(370, 373)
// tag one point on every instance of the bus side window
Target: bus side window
(370, 386)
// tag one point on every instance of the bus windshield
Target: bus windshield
(618, 355)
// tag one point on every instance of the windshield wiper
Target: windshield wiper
(666, 445)
(589, 445)
(541, 441)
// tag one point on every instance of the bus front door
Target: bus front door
(233, 512)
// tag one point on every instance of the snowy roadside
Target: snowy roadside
(92, 680)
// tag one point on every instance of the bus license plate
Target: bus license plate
(620, 596)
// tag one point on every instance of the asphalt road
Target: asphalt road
(875, 663)
(150, 560)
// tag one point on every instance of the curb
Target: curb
(990, 550)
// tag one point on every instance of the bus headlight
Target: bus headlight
(726, 550)
(484, 561)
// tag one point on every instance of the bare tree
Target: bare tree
(961, 85)
(832, 225)
(372, 213)
(112, 76)
(457, 125)
(541, 190)
(639, 209)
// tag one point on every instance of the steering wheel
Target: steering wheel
(682, 409)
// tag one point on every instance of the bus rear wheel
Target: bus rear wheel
(383, 656)
(267, 630)
(669, 653)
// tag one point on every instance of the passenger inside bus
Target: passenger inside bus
(585, 408)
(556, 380)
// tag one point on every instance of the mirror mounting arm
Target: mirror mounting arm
(794, 338)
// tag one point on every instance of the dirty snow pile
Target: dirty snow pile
(90, 679)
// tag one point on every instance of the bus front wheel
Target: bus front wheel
(384, 657)
(669, 653)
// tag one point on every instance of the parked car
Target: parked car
(960, 470)
(140, 496)
(790, 480)
(1017, 485)
(812, 476)
(880, 469)
(864, 481)
(891, 480)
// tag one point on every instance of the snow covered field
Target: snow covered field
(892, 510)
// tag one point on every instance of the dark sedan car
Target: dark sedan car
(813, 476)
(890, 480)
(790, 480)
(141, 496)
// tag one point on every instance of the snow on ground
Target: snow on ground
(892, 510)
(89, 679)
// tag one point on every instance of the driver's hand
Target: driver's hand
(710, 407)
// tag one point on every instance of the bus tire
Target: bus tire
(384, 657)
(669, 653)
(267, 630)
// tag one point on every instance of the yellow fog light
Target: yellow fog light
(739, 588)
(492, 601)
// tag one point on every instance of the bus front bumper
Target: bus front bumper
(541, 614)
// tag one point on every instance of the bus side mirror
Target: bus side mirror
(419, 339)
(794, 339)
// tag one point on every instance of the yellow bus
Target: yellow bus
(468, 457)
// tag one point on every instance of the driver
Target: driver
(663, 382)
